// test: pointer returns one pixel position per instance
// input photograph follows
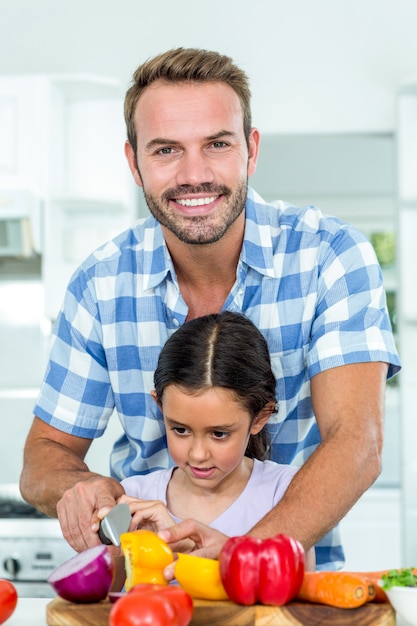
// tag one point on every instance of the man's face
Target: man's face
(192, 158)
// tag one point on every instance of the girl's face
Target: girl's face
(207, 434)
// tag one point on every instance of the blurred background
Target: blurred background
(335, 97)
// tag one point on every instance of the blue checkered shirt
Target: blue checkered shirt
(309, 282)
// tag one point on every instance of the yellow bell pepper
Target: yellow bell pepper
(146, 556)
(200, 577)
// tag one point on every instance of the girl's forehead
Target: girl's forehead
(209, 393)
(210, 406)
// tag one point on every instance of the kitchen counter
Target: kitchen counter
(29, 612)
(32, 612)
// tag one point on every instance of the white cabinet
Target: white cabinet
(22, 164)
(22, 133)
(90, 194)
(407, 224)
(62, 140)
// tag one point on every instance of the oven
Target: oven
(31, 545)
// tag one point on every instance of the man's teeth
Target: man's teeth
(196, 201)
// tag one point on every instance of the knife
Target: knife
(116, 522)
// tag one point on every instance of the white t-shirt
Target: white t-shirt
(266, 486)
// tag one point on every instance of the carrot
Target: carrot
(344, 590)
(374, 578)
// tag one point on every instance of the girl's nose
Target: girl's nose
(199, 450)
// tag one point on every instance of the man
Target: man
(310, 283)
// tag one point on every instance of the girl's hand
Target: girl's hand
(148, 514)
(154, 515)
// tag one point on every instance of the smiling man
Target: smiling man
(194, 158)
(310, 283)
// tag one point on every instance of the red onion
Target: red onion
(86, 577)
(116, 595)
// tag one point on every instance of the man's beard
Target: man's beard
(198, 229)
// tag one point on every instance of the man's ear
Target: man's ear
(133, 166)
(262, 417)
(254, 143)
(155, 397)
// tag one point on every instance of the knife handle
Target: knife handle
(103, 537)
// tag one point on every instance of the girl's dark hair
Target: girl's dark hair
(221, 350)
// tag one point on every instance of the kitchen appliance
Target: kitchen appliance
(31, 545)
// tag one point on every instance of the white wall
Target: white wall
(315, 65)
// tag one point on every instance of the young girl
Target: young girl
(216, 390)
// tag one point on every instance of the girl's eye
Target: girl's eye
(220, 434)
(180, 430)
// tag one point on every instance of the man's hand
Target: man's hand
(79, 506)
(56, 480)
(207, 541)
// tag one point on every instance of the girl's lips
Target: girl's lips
(200, 472)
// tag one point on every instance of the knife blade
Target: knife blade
(116, 522)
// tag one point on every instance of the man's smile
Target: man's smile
(195, 201)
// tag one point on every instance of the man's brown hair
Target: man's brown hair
(187, 65)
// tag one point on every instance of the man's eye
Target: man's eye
(165, 150)
(219, 144)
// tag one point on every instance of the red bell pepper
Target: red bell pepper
(268, 571)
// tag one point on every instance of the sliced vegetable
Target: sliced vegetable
(116, 595)
(405, 577)
(152, 604)
(339, 589)
(269, 571)
(200, 577)
(86, 577)
(146, 556)
(8, 599)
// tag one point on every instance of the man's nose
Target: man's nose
(194, 169)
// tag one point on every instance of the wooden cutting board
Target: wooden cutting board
(225, 613)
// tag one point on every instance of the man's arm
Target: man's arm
(348, 402)
(56, 480)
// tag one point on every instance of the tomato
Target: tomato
(8, 599)
(182, 604)
(154, 605)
